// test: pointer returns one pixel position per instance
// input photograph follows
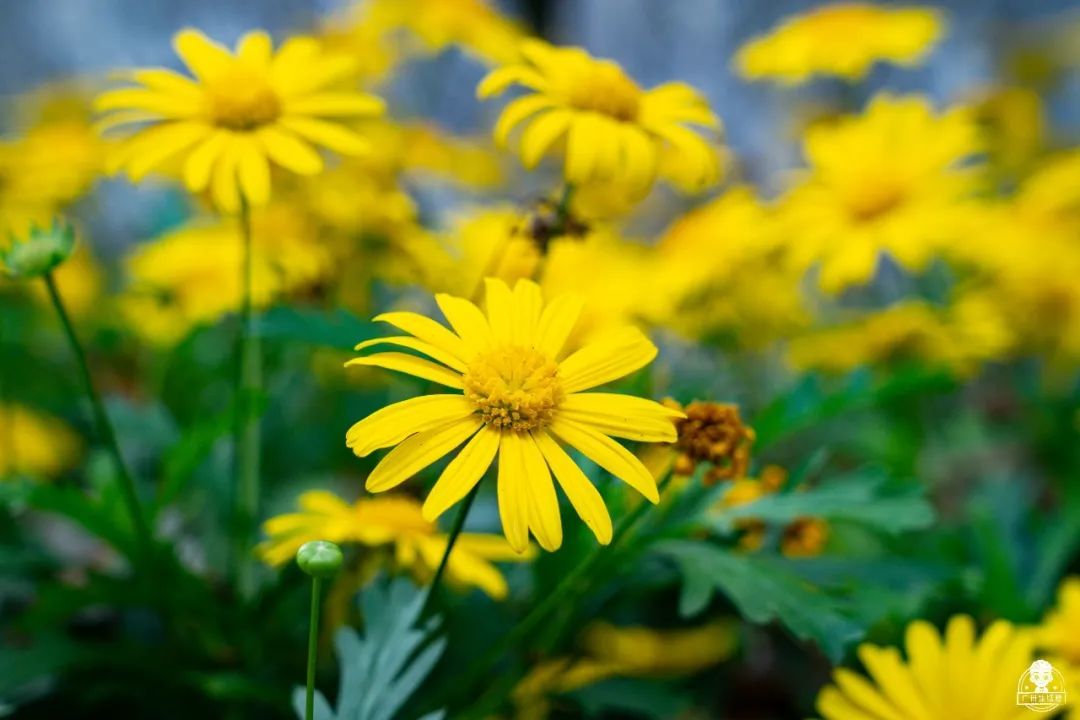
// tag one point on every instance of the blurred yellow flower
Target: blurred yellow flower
(885, 181)
(959, 337)
(35, 444)
(1058, 636)
(80, 281)
(239, 113)
(843, 39)
(522, 399)
(802, 537)
(613, 129)
(395, 522)
(611, 651)
(958, 676)
(723, 271)
(474, 25)
(1013, 124)
(192, 276)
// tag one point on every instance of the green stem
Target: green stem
(455, 531)
(104, 425)
(563, 593)
(312, 649)
(247, 432)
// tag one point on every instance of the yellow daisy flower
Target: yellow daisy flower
(394, 522)
(191, 276)
(240, 112)
(612, 128)
(522, 398)
(1058, 635)
(35, 444)
(955, 677)
(844, 40)
(885, 181)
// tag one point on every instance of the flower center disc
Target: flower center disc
(242, 100)
(514, 388)
(873, 201)
(607, 90)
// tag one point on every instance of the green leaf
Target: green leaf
(762, 591)
(381, 670)
(860, 498)
(336, 329)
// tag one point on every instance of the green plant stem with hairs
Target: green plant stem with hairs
(104, 425)
(455, 531)
(313, 648)
(247, 439)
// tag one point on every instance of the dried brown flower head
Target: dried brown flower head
(713, 433)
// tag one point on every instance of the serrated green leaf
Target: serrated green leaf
(382, 669)
(762, 591)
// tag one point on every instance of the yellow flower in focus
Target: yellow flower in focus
(613, 129)
(956, 677)
(192, 276)
(887, 181)
(394, 522)
(843, 39)
(521, 399)
(34, 444)
(240, 112)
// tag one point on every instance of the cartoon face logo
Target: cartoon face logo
(1041, 687)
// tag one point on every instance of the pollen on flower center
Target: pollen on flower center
(514, 388)
(242, 100)
(607, 90)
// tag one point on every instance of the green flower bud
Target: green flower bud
(40, 251)
(319, 558)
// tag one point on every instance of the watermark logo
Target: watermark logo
(1041, 688)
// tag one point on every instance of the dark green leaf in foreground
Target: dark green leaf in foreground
(382, 669)
(762, 591)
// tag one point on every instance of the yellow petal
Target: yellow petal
(256, 49)
(471, 571)
(328, 134)
(541, 133)
(557, 322)
(395, 422)
(612, 356)
(412, 343)
(525, 312)
(582, 148)
(203, 57)
(224, 184)
(411, 365)
(585, 498)
(499, 79)
(463, 472)
(498, 303)
(154, 146)
(864, 694)
(622, 416)
(253, 171)
(169, 82)
(289, 151)
(513, 508)
(467, 320)
(609, 455)
(516, 112)
(200, 162)
(429, 331)
(543, 503)
(419, 451)
(338, 104)
(151, 101)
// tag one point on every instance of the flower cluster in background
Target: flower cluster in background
(654, 428)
